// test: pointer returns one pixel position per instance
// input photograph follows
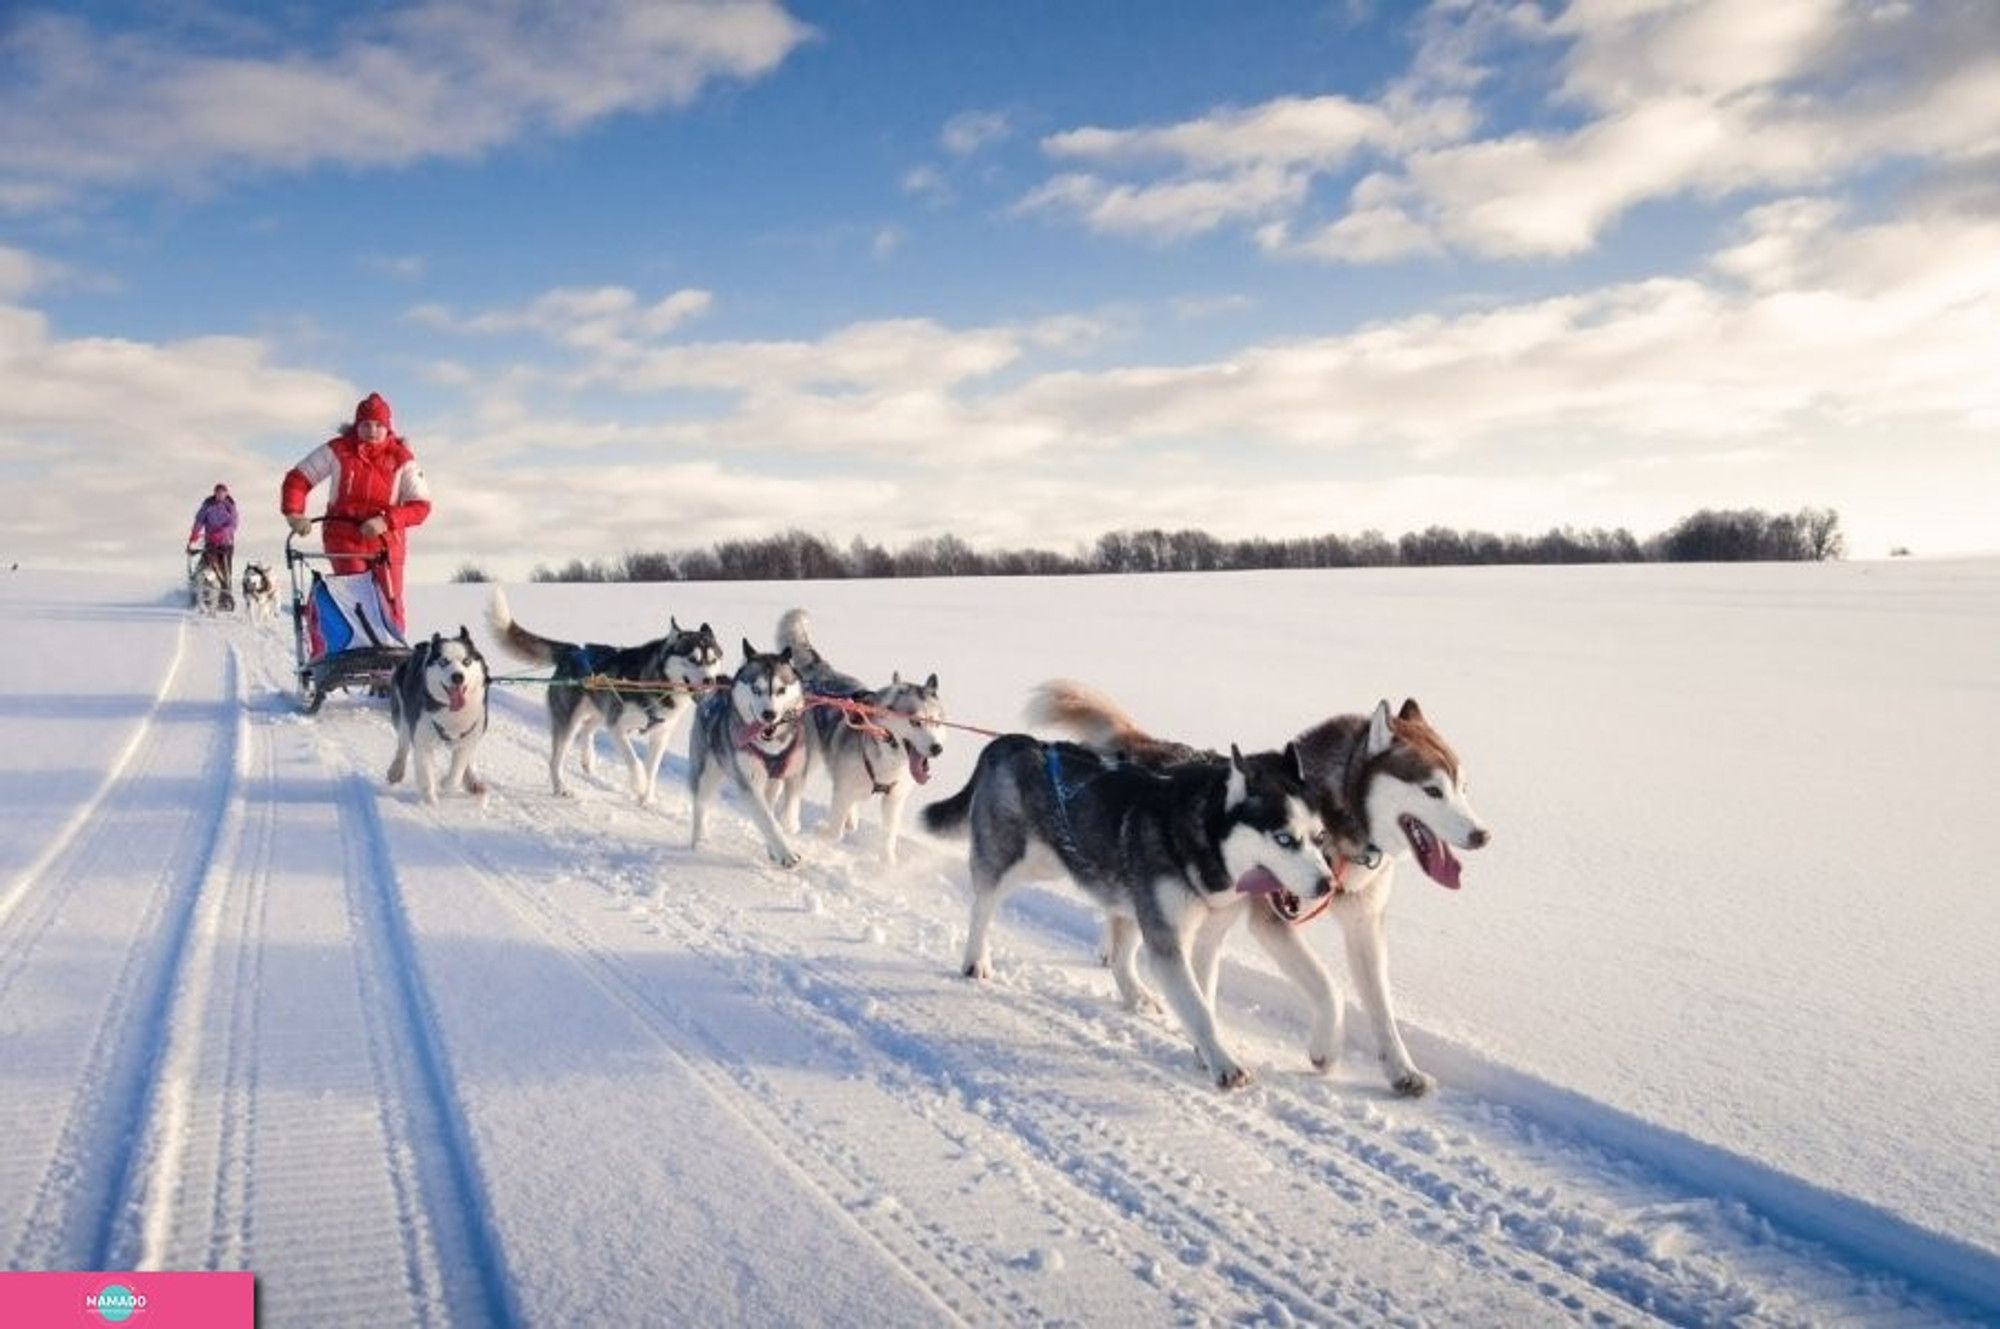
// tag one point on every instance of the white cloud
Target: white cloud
(600, 318)
(433, 79)
(1316, 132)
(1650, 99)
(969, 131)
(20, 272)
(1172, 209)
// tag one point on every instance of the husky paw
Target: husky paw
(1413, 1083)
(785, 858)
(977, 969)
(474, 785)
(396, 768)
(1233, 1077)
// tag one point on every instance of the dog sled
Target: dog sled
(342, 633)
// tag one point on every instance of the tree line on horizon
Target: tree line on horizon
(1708, 536)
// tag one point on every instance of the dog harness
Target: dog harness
(777, 765)
(1064, 792)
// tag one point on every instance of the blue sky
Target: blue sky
(645, 276)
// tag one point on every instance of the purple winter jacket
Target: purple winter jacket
(215, 523)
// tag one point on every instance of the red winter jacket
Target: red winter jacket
(383, 480)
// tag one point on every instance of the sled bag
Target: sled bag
(344, 613)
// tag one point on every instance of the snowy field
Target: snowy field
(1709, 1016)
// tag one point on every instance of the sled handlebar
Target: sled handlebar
(293, 554)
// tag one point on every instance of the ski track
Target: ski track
(217, 1109)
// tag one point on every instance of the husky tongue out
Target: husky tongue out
(1262, 881)
(1434, 856)
(920, 765)
(455, 696)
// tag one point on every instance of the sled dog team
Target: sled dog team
(211, 596)
(1175, 845)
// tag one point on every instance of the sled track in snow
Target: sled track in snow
(85, 1204)
(925, 1254)
(449, 1193)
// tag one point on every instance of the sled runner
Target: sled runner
(342, 633)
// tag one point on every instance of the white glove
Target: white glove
(374, 526)
(300, 523)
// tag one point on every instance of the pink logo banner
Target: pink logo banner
(142, 1301)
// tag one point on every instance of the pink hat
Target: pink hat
(372, 407)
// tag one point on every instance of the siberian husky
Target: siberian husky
(437, 698)
(1387, 785)
(1170, 855)
(207, 589)
(260, 593)
(752, 733)
(666, 676)
(868, 740)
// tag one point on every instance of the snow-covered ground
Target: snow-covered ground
(1713, 1016)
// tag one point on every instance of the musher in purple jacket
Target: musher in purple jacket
(215, 528)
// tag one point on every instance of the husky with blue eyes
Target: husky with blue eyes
(1387, 786)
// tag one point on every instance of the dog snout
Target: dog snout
(458, 678)
(1478, 839)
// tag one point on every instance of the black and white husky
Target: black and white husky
(260, 593)
(665, 678)
(206, 589)
(1172, 856)
(869, 741)
(752, 734)
(1387, 784)
(437, 699)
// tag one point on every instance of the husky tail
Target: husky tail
(794, 633)
(516, 640)
(949, 817)
(1092, 718)
(1100, 724)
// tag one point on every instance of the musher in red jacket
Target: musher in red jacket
(378, 493)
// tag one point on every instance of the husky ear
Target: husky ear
(1294, 763)
(1235, 757)
(1380, 737)
(437, 642)
(1410, 711)
(465, 634)
(931, 685)
(749, 651)
(673, 624)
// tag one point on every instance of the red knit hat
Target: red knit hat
(372, 407)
